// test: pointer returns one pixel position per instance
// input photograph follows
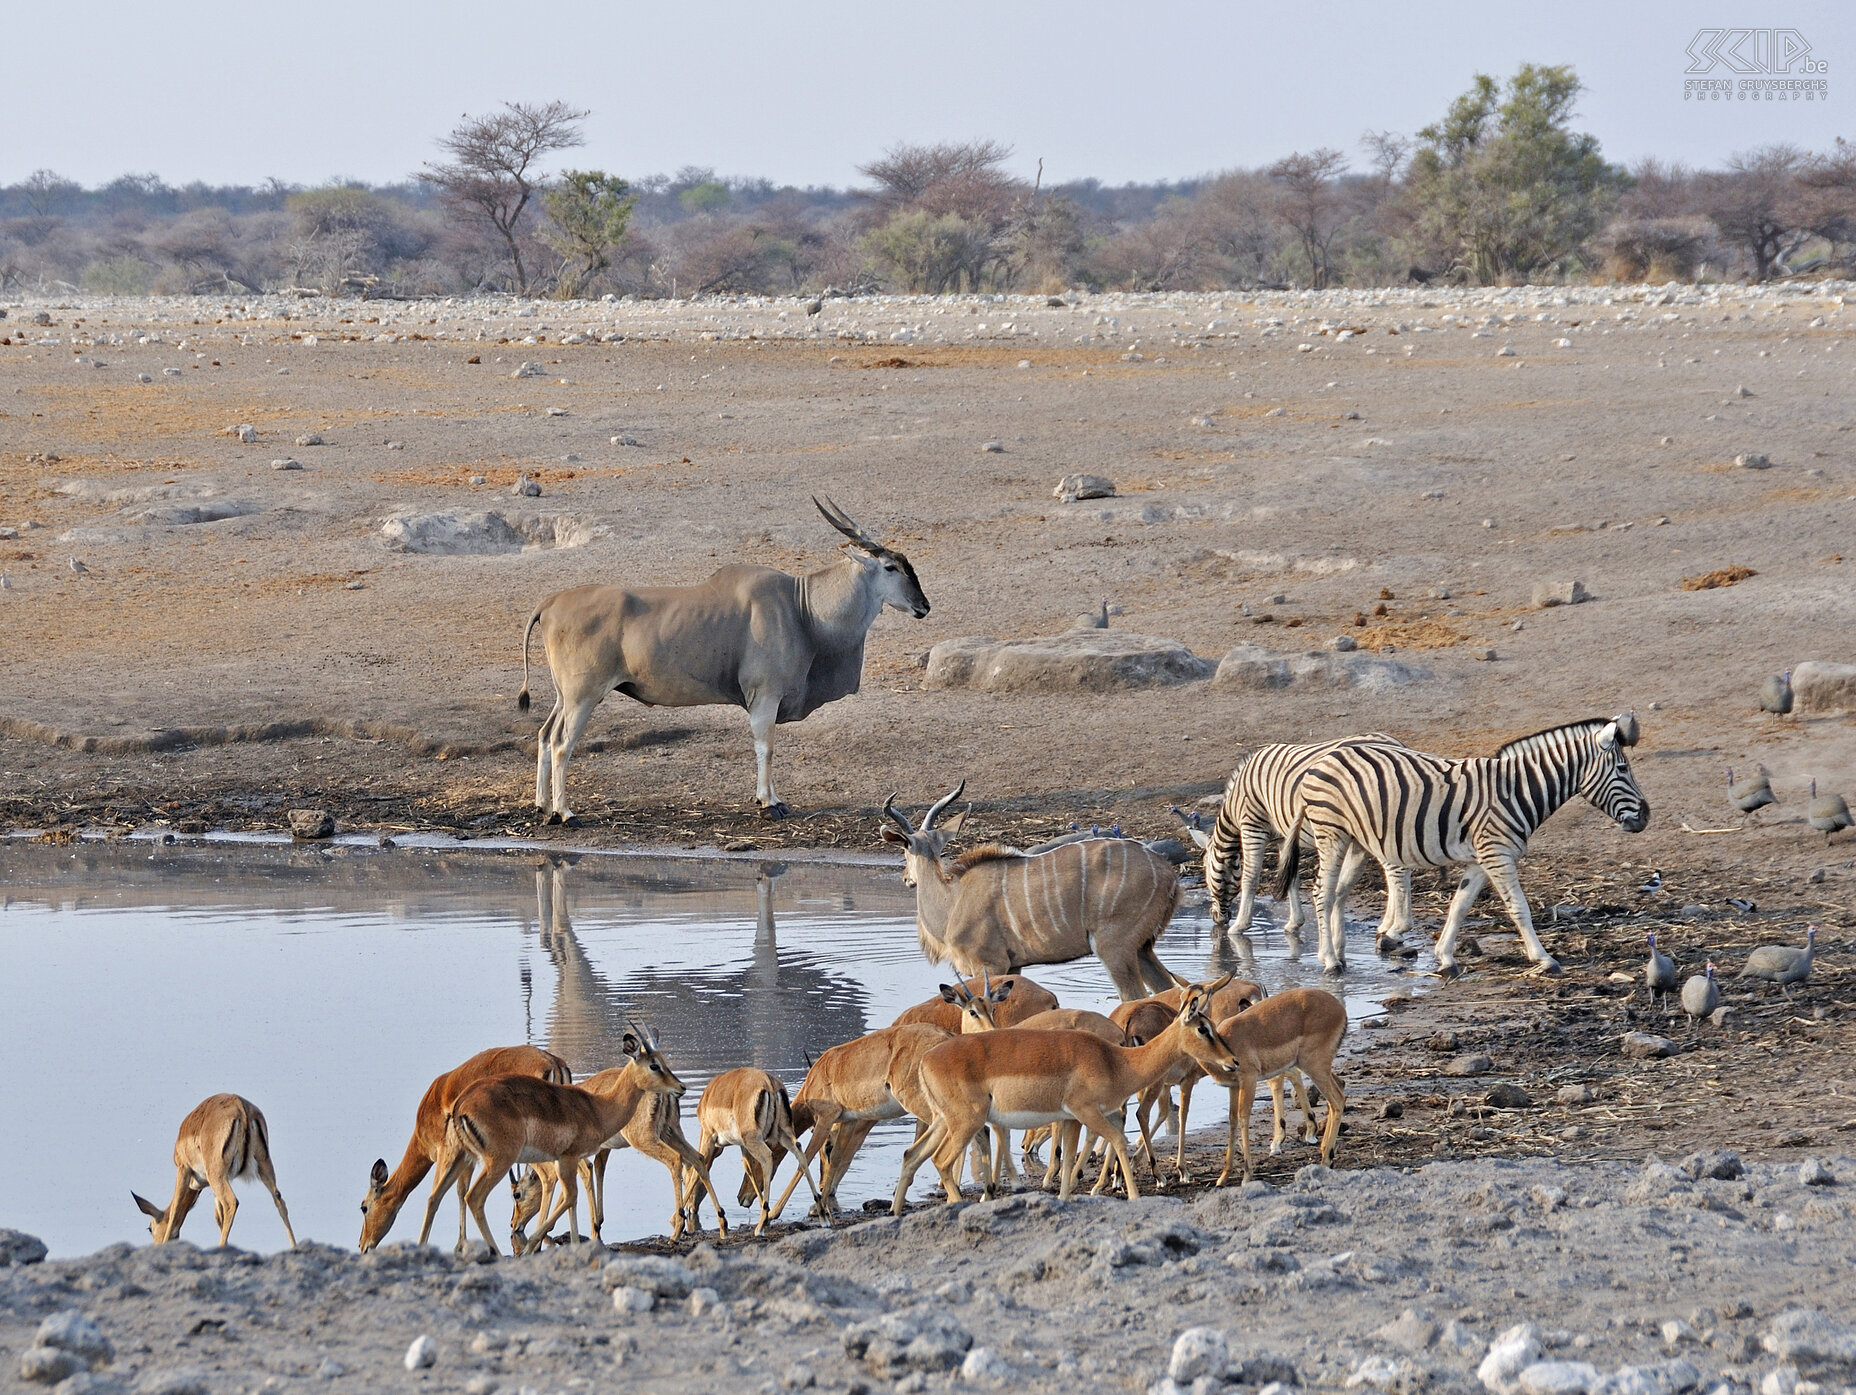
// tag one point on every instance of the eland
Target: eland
(780, 646)
(996, 910)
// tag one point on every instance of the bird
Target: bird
(1699, 996)
(1827, 813)
(78, 567)
(1775, 694)
(814, 306)
(1655, 883)
(1754, 792)
(1659, 973)
(1782, 964)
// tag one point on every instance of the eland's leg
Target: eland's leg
(567, 734)
(544, 757)
(761, 717)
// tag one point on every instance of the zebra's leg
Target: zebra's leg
(1397, 919)
(1250, 853)
(1474, 881)
(1330, 941)
(1507, 878)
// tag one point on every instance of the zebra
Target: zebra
(1260, 801)
(1410, 810)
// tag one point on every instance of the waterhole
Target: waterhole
(330, 985)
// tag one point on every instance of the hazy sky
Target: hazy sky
(802, 91)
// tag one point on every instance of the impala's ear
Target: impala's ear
(955, 824)
(1212, 987)
(951, 994)
(378, 1174)
(1178, 982)
(630, 1044)
(1000, 992)
(893, 835)
(147, 1207)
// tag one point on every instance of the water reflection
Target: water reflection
(776, 1010)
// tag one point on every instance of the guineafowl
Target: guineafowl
(1827, 813)
(1699, 996)
(1659, 973)
(1754, 792)
(1782, 964)
(1775, 694)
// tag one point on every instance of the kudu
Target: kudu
(778, 645)
(997, 910)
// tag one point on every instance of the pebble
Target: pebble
(17, 1247)
(705, 1302)
(1559, 1378)
(1508, 1095)
(1721, 1164)
(1073, 487)
(1752, 460)
(530, 370)
(984, 1364)
(1199, 1351)
(144, 378)
(1813, 1172)
(1574, 1094)
(313, 438)
(1509, 1355)
(1343, 644)
(1412, 1330)
(1647, 1046)
(286, 464)
(170, 372)
(422, 1353)
(1548, 594)
(1468, 1065)
(992, 447)
(626, 1299)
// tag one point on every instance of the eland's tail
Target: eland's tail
(529, 629)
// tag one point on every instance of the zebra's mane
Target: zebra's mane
(985, 852)
(1539, 738)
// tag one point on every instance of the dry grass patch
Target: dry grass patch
(1716, 579)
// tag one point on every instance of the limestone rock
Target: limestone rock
(71, 1331)
(1824, 689)
(1752, 460)
(1559, 1378)
(422, 1353)
(459, 534)
(1199, 1351)
(1073, 487)
(530, 370)
(1819, 1348)
(1469, 1065)
(49, 1365)
(311, 824)
(1510, 1354)
(524, 487)
(312, 438)
(654, 1274)
(1089, 661)
(1548, 594)
(1252, 666)
(1647, 1046)
(17, 1247)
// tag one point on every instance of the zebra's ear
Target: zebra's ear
(1608, 738)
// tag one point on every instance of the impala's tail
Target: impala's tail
(1290, 858)
(529, 629)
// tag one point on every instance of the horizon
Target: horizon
(1060, 95)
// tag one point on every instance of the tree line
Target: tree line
(1501, 189)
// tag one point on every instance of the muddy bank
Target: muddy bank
(1667, 1277)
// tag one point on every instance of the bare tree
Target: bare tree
(495, 170)
(1387, 152)
(1310, 203)
(1755, 202)
(46, 190)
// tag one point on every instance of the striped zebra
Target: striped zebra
(1410, 810)
(1260, 800)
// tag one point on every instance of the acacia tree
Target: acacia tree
(494, 171)
(1309, 201)
(1503, 185)
(1757, 201)
(946, 209)
(590, 210)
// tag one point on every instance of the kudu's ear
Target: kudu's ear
(147, 1207)
(378, 1174)
(891, 835)
(955, 824)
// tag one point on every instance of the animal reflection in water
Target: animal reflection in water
(777, 1011)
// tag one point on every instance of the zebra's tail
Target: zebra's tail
(1289, 860)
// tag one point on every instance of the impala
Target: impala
(1021, 1079)
(223, 1138)
(496, 1124)
(1299, 1029)
(749, 1108)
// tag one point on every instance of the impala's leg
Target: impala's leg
(848, 1138)
(1276, 1108)
(477, 1194)
(917, 1154)
(1185, 1108)
(955, 1136)
(821, 1129)
(1095, 1119)
(1474, 880)
(576, 713)
(453, 1170)
(267, 1176)
(594, 1179)
(707, 1150)
(1329, 1084)
(1246, 1097)
(1309, 1132)
(1230, 1137)
(1144, 1108)
(1003, 1170)
(544, 747)
(1507, 878)
(761, 715)
(789, 1144)
(757, 1165)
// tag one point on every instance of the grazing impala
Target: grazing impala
(1299, 1029)
(222, 1139)
(1022, 1079)
(387, 1192)
(496, 1124)
(749, 1108)
(998, 909)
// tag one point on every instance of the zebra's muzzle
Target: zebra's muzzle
(1636, 822)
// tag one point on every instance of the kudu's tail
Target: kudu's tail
(529, 629)
(1289, 860)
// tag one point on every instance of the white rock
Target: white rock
(422, 1353)
(71, 1331)
(706, 1302)
(1510, 1354)
(1199, 1351)
(984, 1366)
(1558, 1378)
(1753, 460)
(286, 464)
(1781, 1381)
(626, 1299)
(248, 434)
(1375, 1373)
(530, 370)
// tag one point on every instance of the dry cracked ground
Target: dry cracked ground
(196, 638)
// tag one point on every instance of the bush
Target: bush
(1659, 249)
(118, 275)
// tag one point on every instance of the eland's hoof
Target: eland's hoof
(552, 818)
(571, 821)
(1547, 968)
(774, 811)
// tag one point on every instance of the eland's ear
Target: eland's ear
(378, 1174)
(147, 1207)
(955, 824)
(893, 835)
